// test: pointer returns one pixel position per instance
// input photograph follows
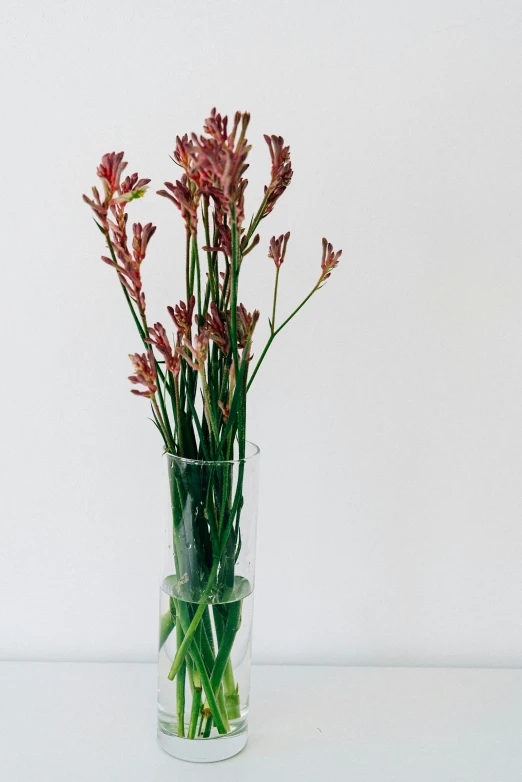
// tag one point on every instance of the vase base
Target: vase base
(203, 750)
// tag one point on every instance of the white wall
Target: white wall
(388, 416)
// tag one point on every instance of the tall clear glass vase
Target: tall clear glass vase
(206, 606)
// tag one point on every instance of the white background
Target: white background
(388, 415)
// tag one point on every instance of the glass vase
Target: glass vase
(206, 607)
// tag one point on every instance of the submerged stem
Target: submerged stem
(180, 686)
(196, 706)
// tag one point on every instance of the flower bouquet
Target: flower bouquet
(196, 376)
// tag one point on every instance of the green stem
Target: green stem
(189, 634)
(144, 333)
(272, 327)
(166, 421)
(196, 706)
(236, 399)
(206, 399)
(178, 415)
(198, 274)
(192, 627)
(213, 282)
(187, 266)
(225, 647)
(233, 288)
(198, 425)
(219, 718)
(180, 687)
(276, 332)
(258, 217)
(160, 419)
(231, 693)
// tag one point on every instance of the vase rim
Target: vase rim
(252, 449)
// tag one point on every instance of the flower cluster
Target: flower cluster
(186, 198)
(246, 323)
(128, 264)
(210, 351)
(109, 171)
(196, 350)
(223, 235)
(111, 218)
(131, 188)
(197, 380)
(330, 259)
(214, 164)
(144, 373)
(277, 249)
(217, 328)
(158, 337)
(281, 174)
(181, 314)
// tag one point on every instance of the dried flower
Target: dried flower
(181, 314)
(330, 259)
(145, 373)
(281, 174)
(198, 347)
(158, 337)
(277, 249)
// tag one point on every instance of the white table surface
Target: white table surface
(73, 722)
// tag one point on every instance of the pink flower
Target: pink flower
(110, 171)
(186, 200)
(198, 348)
(131, 188)
(224, 235)
(216, 126)
(112, 219)
(277, 249)
(145, 373)
(330, 259)
(281, 174)
(158, 337)
(129, 266)
(99, 207)
(141, 238)
(245, 323)
(216, 162)
(183, 152)
(216, 328)
(181, 314)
